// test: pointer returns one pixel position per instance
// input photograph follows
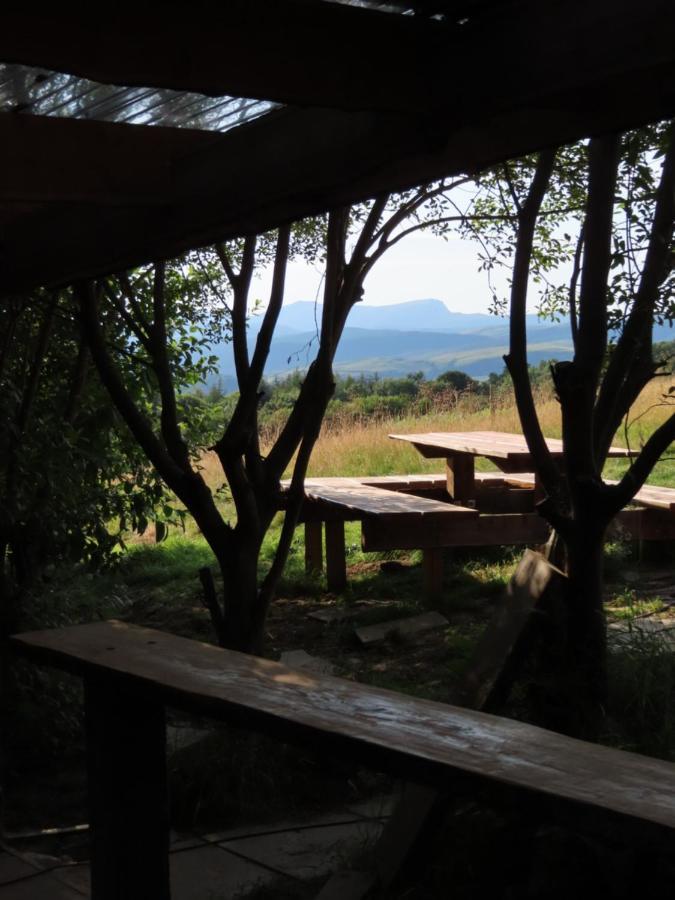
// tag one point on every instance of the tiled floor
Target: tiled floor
(215, 866)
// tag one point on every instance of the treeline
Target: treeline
(365, 396)
(368, 396)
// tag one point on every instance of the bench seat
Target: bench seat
(415, 738)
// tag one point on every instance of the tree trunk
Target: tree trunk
(243, 626)
(584, 675)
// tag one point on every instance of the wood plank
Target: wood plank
(482, 531)
(499, 650)
(495, 445)
(425, 739)
(363, 500)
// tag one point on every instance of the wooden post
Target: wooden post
(432, 563)
(313, 547)
(128, 798)
(460, 477)
(336, 564)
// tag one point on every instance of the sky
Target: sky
(420, 266)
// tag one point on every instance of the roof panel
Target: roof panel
(40, 92)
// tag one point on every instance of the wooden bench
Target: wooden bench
(131, 674)
(388, 501)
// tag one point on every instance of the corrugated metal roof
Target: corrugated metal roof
(24, 89)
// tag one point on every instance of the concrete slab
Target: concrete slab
(310, 852)
(333, 614)
(343, 817)
(300, 659)
(378, 807)
(343, 613)
(661, 629)
(371, 634)
(41, 886)
(211, 873)
(348, 884)
(76, 877)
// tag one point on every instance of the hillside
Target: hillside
(416, 336)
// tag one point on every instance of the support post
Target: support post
(336, 563)
(313, 547)
(128, 797)
(432, 563)
(460, 471)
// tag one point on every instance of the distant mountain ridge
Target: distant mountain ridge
(415, 336)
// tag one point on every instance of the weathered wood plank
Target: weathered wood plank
(484, 530)
(499, 649)
(504, 449)
(424, 739)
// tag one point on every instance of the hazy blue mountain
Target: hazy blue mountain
(417, 315)
(420, 335)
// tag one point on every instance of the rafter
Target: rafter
(607, 66)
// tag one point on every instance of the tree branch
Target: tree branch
(631, 365)
(170, 428)
(516, 360)
(603, 161)
(659, 441)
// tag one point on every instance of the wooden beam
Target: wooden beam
(291, 51)
(616, 71)
(51, 160)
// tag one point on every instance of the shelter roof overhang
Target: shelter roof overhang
(375, 101)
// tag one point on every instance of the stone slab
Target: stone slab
(42, 886)
(371, 634)
(622, 634)
(300, 659)
(298, 823)
(309, 852)
(348, 884)
(212, 873)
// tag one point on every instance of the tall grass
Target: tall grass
(361, 446)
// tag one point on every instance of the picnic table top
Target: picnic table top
(491, 444)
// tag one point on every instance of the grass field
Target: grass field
(364, 448)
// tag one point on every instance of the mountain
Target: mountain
(416, 315)
(417, 336)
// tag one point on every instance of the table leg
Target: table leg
(460, 477)
(313, 547)
(336, 563)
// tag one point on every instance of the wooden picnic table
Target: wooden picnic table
(509, 452)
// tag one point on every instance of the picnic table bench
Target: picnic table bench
(131, 674)
(462, 507)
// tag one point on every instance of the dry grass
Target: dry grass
(362, 447)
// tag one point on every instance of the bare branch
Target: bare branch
(574, 325)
